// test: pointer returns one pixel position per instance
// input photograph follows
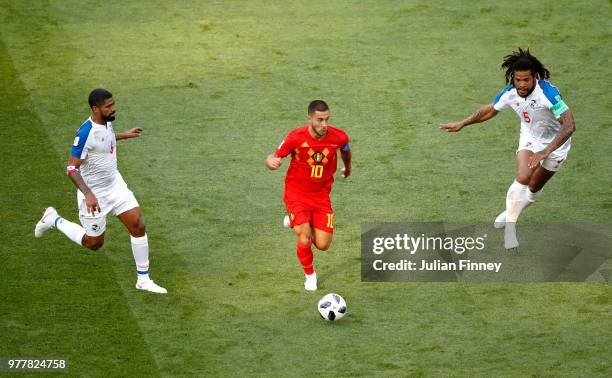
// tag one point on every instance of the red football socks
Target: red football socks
(304, 254)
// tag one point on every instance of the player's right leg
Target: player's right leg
(516, 197)
(75, 232)
(517, 191)
(303, 231)
(46, 223)
(94, 224)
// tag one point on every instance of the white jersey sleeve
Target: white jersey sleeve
(500, 101)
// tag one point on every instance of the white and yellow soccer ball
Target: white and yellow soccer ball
(332, 307)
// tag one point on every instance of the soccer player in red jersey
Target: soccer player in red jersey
(314, 148)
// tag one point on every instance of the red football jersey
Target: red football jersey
(313, 162)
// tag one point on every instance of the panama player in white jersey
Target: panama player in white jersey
(92, 167)
(547, 124)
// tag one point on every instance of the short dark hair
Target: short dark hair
(522, 60)
(97, 96)
(317, 106)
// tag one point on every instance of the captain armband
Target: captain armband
(559, 108)
(71, 169)
(346, 148)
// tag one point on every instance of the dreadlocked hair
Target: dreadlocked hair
(522, 60)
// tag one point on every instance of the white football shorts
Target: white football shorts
(555, 160)
(116, 199)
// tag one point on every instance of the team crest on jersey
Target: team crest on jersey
(533, 104)
(318, 157)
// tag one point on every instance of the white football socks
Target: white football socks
(140, 250)
(514, 197)
(532, 197)
(519, 196)
(73, 231)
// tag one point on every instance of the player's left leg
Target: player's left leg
(323, 228)
(538, 179)
(529, 182)
(533, 181)
(321, 239)
(132, 219)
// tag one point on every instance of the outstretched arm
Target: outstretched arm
(132, 133)
(568, 126)
(73, 172)
(485, 113)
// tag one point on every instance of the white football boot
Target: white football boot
(151, 286)
(500, 221)
(46, 222)
(310, 283)
(286, 221)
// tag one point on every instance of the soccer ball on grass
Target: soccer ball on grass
(332, 307)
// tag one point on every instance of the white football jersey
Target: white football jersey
(96, 144)
(539, 112)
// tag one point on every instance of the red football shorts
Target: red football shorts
(321, 218)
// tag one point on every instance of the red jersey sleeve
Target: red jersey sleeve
(286, 146)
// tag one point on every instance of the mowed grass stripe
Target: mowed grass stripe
(62, 106)
(58, 300)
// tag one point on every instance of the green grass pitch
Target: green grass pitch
(216, 86)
